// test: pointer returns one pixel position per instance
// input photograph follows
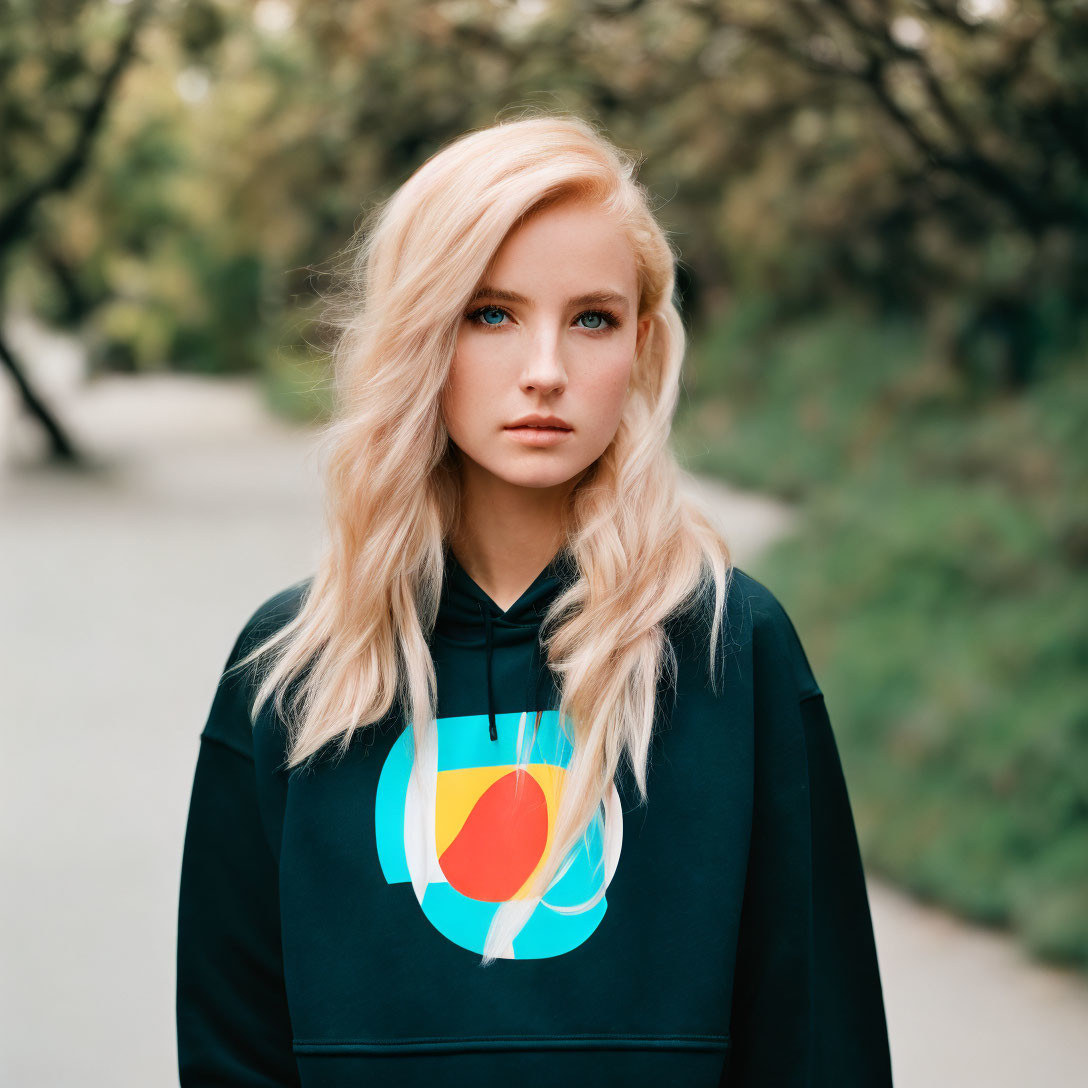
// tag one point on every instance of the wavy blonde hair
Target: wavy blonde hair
(358, 646)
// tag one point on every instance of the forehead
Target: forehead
(575, 246)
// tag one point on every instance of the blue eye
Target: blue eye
(601, 320)
(479, 316)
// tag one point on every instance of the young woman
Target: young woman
(527, 784)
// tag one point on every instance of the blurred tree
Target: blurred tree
(937, 156)
(51, 116)
(924, 157)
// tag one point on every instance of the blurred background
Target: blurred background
(882, 210)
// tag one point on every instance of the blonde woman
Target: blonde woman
(527, 784)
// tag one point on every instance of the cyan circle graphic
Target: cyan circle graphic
(493, 819)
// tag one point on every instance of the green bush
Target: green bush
(938, 581)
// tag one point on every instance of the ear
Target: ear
(643, 328)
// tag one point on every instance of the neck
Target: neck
(507, 534)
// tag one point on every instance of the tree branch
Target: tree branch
(15, 218)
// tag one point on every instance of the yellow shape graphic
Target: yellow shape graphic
(458, 791)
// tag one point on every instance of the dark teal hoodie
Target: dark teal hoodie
(733, 945)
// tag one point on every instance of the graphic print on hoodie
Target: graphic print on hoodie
(491, 829)
(478, 835)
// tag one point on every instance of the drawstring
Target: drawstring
(541, 676)
(487, 673)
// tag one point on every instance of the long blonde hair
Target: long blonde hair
(358, 648)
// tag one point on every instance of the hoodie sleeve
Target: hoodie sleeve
(233, 1027)
(808, 1007)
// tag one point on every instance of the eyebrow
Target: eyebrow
(593, 298)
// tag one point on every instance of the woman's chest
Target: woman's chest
(393, 863)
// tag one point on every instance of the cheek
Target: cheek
(607, 378)
(463, 392)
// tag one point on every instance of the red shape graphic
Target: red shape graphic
(501, 841)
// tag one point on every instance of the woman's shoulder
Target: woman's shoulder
(229, 720)
(754, 615)
(271, 615)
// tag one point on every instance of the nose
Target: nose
(543, 371)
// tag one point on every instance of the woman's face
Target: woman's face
(552, 332)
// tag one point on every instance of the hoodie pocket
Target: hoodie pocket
(528, 1061)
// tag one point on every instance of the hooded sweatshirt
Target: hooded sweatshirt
(732, 946)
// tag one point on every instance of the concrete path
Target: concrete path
(121, 592)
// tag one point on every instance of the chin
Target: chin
(540, 476)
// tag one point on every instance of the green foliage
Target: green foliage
(297, 375)
(827, 382)
(939, 581)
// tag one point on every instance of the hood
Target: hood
(470, 620)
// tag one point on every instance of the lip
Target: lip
(537, 436)
(537, 420)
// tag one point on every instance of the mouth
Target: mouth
(533, 434)
(535, 427)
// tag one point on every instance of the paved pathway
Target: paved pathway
(121, 591)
